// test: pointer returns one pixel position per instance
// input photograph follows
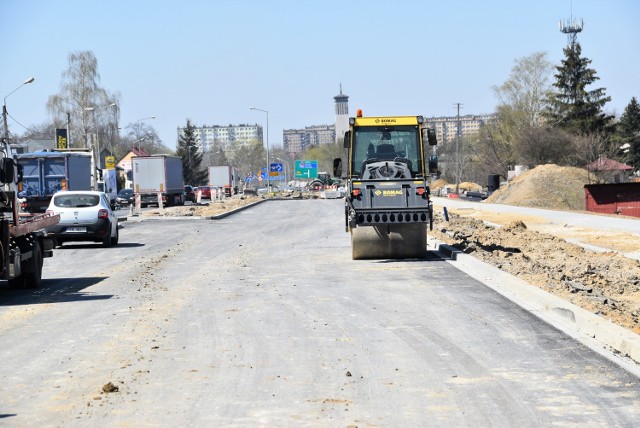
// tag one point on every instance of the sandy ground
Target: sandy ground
(543, 254)
(206, 209)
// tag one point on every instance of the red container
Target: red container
(622, 198)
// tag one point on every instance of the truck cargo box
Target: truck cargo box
(158, 174)
(224, 177)
(45, 173)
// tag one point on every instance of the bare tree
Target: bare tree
(43, 131)
(457, 160)
(522, 101)
(80, 91)
(248, 156)
(496, 150)
(526, 90)
(142, 135)
(324, 154)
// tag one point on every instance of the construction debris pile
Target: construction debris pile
(605, 283)
(546, 186)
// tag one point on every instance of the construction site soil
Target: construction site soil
(532, 248)
(547, 255)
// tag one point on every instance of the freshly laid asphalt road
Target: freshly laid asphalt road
(263, 319)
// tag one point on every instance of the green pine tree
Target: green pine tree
(192, 170)
(572, 106)
(628, 130)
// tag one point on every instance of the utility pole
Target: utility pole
(68, 130)
(458, 167)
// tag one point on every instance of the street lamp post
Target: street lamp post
(4, 110)
(139, 140)
(268, 167)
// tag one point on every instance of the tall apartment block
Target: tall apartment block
(296, 140)
(448, 127)
(223, 137)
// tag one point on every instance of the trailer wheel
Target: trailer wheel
(33, 269)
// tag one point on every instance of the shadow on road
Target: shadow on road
(52, 291)
(430, 257)
(70, 246)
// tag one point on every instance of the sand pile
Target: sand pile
(545, 186)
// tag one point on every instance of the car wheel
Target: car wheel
(106, 241)
(114, 240)
(59, 242)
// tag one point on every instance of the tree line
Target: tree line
(542, 120)
(539, 120)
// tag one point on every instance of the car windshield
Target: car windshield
(386, 143)
(125, 192)
(76, 201)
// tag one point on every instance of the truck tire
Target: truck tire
(392, 241)
(32, 269)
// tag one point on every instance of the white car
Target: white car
(84, 216)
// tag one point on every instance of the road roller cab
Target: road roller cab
(387, 205)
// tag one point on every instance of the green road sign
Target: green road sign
(306, 169)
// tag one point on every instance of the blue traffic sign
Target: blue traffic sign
(276, 167)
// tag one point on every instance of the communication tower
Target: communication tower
(571, 27)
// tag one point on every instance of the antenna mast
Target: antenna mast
(571, 27)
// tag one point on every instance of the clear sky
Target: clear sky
(210, 61)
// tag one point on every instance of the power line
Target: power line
(14, 119)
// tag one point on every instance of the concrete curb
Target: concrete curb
(139, 218)
(588, 328)
(228, 213)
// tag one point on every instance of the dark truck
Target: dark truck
(45, 173)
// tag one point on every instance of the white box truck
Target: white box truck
(158, 175)
(225, 178)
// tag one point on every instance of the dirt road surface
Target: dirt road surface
(262, 319)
